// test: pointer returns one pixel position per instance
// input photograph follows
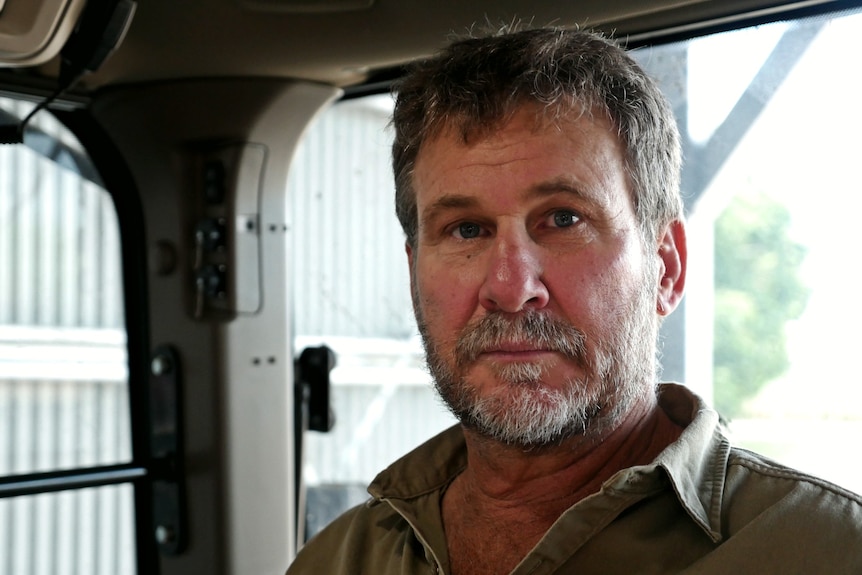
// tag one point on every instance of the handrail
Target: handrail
(62, 480)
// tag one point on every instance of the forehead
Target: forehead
(527, 150)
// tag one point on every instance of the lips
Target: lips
(522, 354)
(530, 334)
(515, 349)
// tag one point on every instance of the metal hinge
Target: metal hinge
(166, 451)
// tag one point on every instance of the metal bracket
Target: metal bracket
(166, 451)
(311, 411)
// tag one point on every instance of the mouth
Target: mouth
(529, 338)
(516, 352)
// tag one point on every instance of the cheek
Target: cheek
(594, 290)
(447, 296)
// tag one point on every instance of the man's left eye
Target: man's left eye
(565, 218)
(469, 230)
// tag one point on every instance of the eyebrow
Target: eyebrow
(447, 202)
(558, 185)
(561, 184)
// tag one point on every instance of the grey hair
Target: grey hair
(476, 84)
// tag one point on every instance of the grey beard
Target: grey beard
(528, 413)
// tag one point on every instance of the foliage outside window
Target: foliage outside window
(757, 291)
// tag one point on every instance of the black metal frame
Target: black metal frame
(62, 480)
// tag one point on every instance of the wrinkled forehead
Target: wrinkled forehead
(581, 155)
(559, 115)
(530, 122)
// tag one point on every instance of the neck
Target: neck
(545, 482)
(517, 494)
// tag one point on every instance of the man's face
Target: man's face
(535, 295)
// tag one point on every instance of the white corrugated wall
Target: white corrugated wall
(352, 292)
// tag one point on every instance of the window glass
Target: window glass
(770, 148)
(63, 367)
(85, 531)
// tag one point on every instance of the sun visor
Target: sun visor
(33, 31)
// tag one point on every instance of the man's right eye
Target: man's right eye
(468, 230)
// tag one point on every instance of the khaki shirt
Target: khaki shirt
(701, 507)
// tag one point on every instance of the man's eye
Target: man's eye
(565, 218)
(469, 230)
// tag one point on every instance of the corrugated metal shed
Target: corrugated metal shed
(349, 265)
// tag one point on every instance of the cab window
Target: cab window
(64, 394)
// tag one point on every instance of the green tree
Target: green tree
(757, 290)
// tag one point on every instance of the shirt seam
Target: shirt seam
(787, 473)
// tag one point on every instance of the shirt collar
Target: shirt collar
(695, 464)
(428, 468)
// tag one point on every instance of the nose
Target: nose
(513, 280)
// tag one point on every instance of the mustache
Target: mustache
(531, 327)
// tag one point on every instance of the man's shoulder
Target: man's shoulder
(369, 520)
(765, 474)
(380, 536)
(350, 540)
(773, 518)
(760, 489)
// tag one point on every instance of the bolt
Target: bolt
(161, 365)
(165, 534)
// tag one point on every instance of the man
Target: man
(537, 182)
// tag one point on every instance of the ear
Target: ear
(673, 256)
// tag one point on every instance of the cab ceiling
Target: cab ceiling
(344, 42)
